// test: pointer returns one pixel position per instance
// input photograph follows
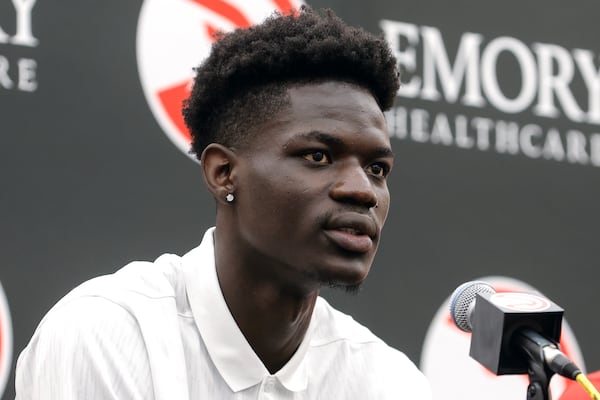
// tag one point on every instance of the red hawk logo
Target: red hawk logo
(173, 36)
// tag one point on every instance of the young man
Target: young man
(287, 121)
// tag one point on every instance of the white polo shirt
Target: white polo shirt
(163, 331)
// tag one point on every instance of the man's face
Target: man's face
(311, 190)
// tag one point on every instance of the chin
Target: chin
(345, 277)
(350, 289)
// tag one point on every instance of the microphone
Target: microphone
(510, 329)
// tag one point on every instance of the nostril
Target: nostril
(372, 203)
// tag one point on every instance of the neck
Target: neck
(273, 314)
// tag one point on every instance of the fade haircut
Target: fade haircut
(245, 79)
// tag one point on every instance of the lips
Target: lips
(352, 232)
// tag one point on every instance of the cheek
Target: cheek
(275, 216)
(271, 196)
(383, 206)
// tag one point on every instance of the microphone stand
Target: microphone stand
(539, 373)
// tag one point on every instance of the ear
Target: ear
(218, 164)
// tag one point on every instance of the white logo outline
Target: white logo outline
(6, 341)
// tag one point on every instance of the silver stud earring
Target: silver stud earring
(230, 197)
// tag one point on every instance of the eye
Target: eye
(317, 156)
(378, 169)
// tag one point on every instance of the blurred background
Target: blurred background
(496, 133)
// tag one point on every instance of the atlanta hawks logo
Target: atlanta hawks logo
(5, 341)
(520, 301)
(173, 36)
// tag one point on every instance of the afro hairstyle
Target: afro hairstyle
(246, 76)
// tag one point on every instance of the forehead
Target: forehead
(330, 107)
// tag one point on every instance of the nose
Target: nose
(354, 187)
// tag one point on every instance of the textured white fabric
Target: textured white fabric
(163, 331)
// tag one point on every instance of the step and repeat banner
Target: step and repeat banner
(496, 132)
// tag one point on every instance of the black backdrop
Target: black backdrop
(90, 182)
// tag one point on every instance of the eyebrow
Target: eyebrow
(322, 137)
(331, 140)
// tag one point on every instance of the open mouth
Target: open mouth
(351, 231)
(350, 240)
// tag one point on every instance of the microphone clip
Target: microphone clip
(536, 348)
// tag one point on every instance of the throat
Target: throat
(272, 313)
(273, 323)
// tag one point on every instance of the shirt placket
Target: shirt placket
(271, 389)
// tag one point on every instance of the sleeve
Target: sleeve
(89, 348)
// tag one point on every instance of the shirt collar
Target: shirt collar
(229, 350)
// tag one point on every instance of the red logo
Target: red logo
(520, 301)
(174, 36)
(5, 341)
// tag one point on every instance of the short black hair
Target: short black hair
(246, 76)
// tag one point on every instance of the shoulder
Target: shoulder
(364, 358)
(116, 303)
(331, 325)
(79, 348)
(147, 279)
(98, 312)
(137, 285)
(81, 323)
(102, 333)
